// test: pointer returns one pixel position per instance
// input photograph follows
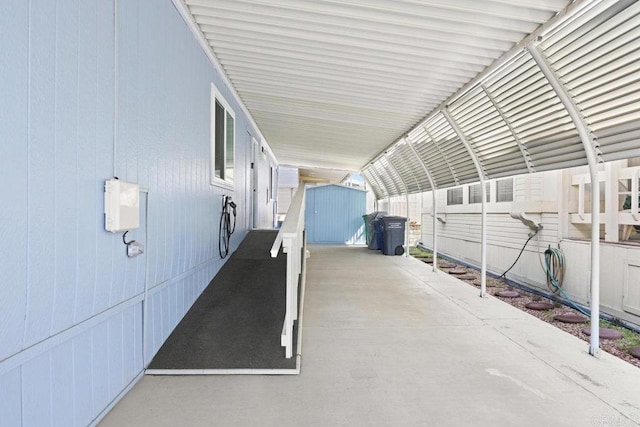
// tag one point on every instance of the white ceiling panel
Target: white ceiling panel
(332, 83)
(372, 84)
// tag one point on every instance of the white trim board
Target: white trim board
(248, 371)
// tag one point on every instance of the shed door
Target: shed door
(334, 215)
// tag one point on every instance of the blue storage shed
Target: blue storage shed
(333, 214)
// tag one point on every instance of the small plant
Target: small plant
(414, 251)
(629, 340)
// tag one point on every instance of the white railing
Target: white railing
(291, 238)
(620, 183)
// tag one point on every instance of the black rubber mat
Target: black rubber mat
(237, 321)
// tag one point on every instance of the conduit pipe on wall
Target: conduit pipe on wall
(433, 209)
(483, 221)
(115, 87)
(406, 194)
(581, 127)
(145, 299)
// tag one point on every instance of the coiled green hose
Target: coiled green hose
(554, 269)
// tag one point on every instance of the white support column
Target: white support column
(581, 198)
(433, 209)
(483, 221)
(406, 228)
(634, 195)
(406, 193)
(611, 228)
(590, 152)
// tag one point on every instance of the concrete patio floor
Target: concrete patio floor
(387, 342)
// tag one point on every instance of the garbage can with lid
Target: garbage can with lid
(393, 228)
(377, 239)
(373, 236)
(366, 220)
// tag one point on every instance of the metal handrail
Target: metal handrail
(291, 239)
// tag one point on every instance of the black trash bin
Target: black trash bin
(373, 234)
(393, 234)
(377, 234)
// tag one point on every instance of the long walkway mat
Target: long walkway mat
(235, 324)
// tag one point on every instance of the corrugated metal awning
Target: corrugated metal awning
(515, 122)
(332, 83)
(345, 84)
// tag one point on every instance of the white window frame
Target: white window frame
(487, 193)
(450, 192)
(217, 96)
(498, 190)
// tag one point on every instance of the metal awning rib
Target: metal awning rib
(353, 76)
(515, 122)
(377, 188)
(600, 64)
(309, 70)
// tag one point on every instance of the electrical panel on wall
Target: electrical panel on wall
(121, 205)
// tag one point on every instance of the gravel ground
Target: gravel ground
(619, 348)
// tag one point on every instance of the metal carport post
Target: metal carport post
(483, 226)
(581, 127)
(433, 209)
(406, 194)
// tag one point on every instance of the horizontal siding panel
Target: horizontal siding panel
(502, 230)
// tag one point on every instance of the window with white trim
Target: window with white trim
(223, 135)
(474, 193)
(454, 196)
(504, 190)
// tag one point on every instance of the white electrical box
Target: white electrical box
(121, 205)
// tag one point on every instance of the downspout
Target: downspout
(406, 193)
(433, 209)
(483, 224)
(145, 299)
(581, 127)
